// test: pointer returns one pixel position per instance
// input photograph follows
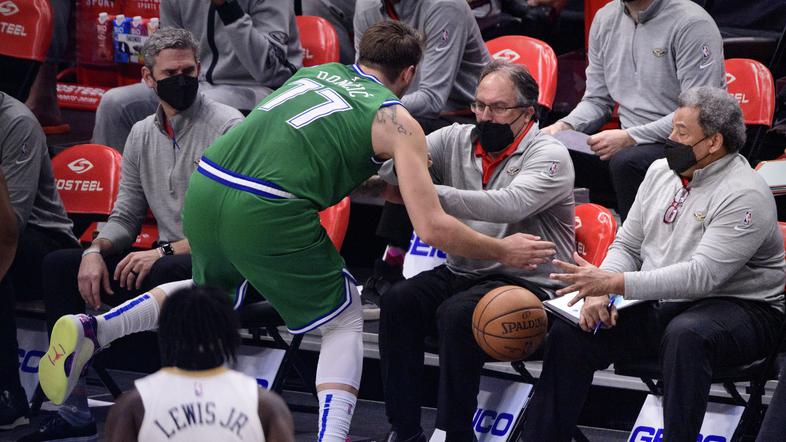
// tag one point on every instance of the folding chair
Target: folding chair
(260, 318)
(751, 83)
(319, 40)
(23, 44)
(756, 374)
(537, 56)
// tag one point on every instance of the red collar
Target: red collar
(390, 10)
(490, 162)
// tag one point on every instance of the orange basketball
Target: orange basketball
(509, 323)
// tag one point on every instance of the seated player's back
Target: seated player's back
(312, 137)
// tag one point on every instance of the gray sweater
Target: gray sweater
(446, 79)
(644, 67)
(725, 240)
(256, 41)
(24, 161)
(156, 170)
(530, 192)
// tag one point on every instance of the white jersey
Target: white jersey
(211, 405)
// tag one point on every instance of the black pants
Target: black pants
(23, 282)
(614, 183)
(61, 292)
(689, 339)
(436, 302)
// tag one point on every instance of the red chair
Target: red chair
(751, 83)
(536, 55)
(591, 8)
(595, 231)
(87, 177)
(335, 220)
(319, 40)
(24, 41)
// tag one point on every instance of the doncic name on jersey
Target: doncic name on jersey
(197, 413)
(352, 88)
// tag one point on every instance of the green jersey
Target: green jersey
(312, 137)
(250, 212)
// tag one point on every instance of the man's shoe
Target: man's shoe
(72, 345)
(13, 410)
(57, 428)
(376, 285)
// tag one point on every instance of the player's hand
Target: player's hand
(607, 143)
(92, 276)
(596, 310)
(526, 251)
(133, 269)
(586, 279)
(559, 126)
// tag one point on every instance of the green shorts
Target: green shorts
(239, 237)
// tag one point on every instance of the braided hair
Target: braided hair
(198, 329)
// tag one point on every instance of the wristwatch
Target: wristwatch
(166, 248)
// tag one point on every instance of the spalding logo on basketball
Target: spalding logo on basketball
(509, 323)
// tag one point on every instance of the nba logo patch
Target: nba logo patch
(553, 168)
(705, 51)
(746, 222)
(444, 37)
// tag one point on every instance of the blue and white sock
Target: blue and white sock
(135, 315)
(335, 414)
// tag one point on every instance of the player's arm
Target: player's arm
(9, 231)
(395, 134)
(125, 418)
(275, 417)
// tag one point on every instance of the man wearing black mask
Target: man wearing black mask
(160, 154)
(702, 244)
(499, 177)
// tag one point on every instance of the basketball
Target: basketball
(509, 323)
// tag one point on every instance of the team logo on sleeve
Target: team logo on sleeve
(553, 168)
(746, 222)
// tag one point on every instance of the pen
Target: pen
(612, 298)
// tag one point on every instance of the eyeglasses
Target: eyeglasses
(676, 204)
(495, 109)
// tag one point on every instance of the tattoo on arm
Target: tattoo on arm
(390, 113)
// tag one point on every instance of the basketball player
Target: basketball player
(251, 215)
(195, 397)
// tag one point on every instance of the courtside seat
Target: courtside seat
(23, 44)
(595, 230)
(751, 83)
(319, 40)
(260, 318)
(537, 56)
(87, 177)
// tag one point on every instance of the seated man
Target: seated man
(198, 336)
(39, 226)
(499, 177)
(642, 53)
(160, 155)
(248, 49)
(701, 240)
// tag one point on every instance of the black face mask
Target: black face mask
(494, 137)
(679, 156)
(179, 91)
